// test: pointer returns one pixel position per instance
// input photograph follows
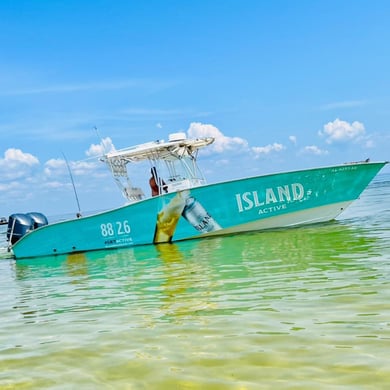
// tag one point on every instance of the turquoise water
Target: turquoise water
(303, 308)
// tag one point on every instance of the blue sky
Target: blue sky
(282, 85)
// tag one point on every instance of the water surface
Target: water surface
(296, 309)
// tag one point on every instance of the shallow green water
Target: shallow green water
(303, 308)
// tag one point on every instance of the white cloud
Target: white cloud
(222, 143)
(342, 131)
(293, 139)
(54, 167)
(55, 163)
(81, 168)
(105, 146)
(17, 164)
(58, 168)
(262, 150)
(24, 179)
(10, 187)
(313, 149)
(16, 156)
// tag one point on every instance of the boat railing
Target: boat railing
(134, 194)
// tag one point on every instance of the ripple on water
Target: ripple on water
(300, 308)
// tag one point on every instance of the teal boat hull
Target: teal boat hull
(255, 203)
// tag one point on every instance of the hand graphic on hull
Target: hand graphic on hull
(183, 204)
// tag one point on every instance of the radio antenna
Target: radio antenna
(74, 187)
(101, 139)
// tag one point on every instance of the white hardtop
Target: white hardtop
(175, 148)
(173, 164)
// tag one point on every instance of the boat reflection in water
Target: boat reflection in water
(293, 247)
(183, 279)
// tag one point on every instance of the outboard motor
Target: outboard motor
(18, 226)
(21, 224)
(38, 219)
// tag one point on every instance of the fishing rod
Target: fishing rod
(74, 187)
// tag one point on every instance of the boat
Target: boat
(3, 221)
(183, 206)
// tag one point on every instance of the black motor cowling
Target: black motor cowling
(38, 218)
(20, 224)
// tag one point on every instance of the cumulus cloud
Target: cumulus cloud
(17, 163)
(55, 163)
(58, 168)
(222, 143)
(14, 157)
(340, 131)
(263, 150)
(85, 167)
(313, 149)
(54, 167)
(24, 177)
(105, 146)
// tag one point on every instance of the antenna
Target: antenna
(100, 138)
(74, 187)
